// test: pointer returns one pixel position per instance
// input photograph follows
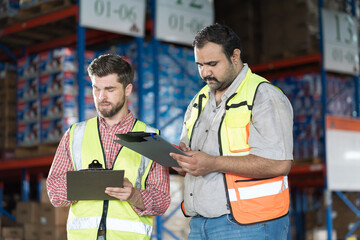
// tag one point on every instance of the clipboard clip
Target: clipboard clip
(95, 164)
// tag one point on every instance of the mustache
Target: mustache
(205, 79)
(103, 102)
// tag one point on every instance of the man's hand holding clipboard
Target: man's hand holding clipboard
(184, 148)
(152, 146)
(194, 162)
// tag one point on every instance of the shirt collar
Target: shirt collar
(236, 83)
(129, 116)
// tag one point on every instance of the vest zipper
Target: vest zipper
(199, 112)
(219, 134)
(103, 217)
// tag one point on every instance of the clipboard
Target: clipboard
(90, 184)
(151, 145)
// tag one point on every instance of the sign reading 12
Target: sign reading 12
(193, 3)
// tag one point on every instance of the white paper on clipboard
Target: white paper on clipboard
(151, 145)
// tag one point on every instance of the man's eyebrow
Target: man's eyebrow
(207, 63)
(106, 88)
(109, 87)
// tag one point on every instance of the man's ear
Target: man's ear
(236, 55)
(128, 89)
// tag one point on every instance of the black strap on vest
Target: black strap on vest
(236, 105)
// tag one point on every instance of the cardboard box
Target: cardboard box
(27, 67)
(53, 233)
(53, 216)
(31, 231)
(27, 212)
(28, 134)
(177, 223)
(12, 232)
(9, 8)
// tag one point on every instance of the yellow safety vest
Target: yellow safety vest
(251, 200)
(121, 221)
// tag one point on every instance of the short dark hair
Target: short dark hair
(219, 34)
(109, 64)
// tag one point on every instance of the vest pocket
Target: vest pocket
(264, 196)
(237, 131)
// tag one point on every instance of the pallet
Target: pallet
(36, 151)
(42, 8)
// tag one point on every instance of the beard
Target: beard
(224, 83)
(108, 113)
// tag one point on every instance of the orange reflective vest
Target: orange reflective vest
(250, 200)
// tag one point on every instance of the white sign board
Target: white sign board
(179, 20)
(340, 39)
(343, 153)
(119, 16)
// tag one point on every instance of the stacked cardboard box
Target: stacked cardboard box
(35, 220)
(28, 105)
(304, 93)
(340, 95)
(179, 81)
(90, 110)
(7, 108)
(53, 222)
(9, 8)
(27, 214)
(176, 223)
(58, 93)
(12, 233)
(46, 96)
(245, 21)
(289, 28)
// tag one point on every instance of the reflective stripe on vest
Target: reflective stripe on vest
(251, 200)
(111, 224)
(257, 191)
(77, 143)
(237, 154)
(144, 161)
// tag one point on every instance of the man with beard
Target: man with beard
(237, 134)
(145, 190)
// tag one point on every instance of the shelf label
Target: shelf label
(119, 16)
(340, 39)
(179, 20)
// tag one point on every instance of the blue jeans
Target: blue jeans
(224, 227)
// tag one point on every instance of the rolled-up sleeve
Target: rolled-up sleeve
(156, 196)
(56, 180)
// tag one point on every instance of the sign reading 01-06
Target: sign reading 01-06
(120, 16)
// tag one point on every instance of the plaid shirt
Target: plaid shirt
(156, 196)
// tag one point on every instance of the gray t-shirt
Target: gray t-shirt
(270, 137)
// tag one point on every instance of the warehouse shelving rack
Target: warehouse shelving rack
(79, 37)
(351, 6)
